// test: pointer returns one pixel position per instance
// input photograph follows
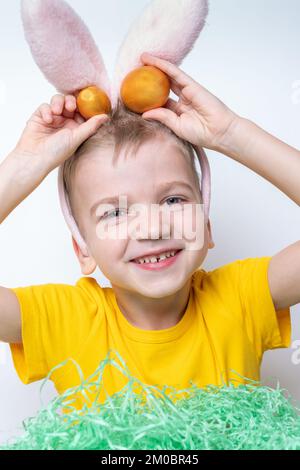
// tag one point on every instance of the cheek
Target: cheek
(108, 253)
(189, 226)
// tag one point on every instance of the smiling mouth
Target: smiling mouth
(158, 259)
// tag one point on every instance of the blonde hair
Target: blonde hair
(124, 129)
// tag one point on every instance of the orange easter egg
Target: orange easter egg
(145, 88)
(92, 101)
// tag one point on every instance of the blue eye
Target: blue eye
(176, 198)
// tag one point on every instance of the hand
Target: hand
(55, 131)
(198, 117)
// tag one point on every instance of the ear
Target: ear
(211, 243)
(166, 29)
(62, 46)
(87, 263)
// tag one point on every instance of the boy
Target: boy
(171, 321)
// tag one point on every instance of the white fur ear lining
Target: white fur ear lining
(63, 47)
(167, 29)
(32, 7)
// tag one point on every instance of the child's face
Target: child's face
(115, 234)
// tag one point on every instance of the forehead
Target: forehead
(155, 162)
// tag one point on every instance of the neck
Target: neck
(150, 313)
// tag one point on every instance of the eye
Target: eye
(176, 198)
(114, 213)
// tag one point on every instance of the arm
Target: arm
(15, 184)
(278, 163)
(52, 135)
(274, 160)
(10, 317)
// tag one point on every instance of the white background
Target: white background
(248, 55)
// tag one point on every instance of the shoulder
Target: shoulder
(88, 284)
(231, 274)
(89, 288)
(217, 276)
(51, 296)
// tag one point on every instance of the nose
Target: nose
(150, 223)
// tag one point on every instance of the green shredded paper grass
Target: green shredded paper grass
(247, 416)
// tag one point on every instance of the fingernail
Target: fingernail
(102, 119)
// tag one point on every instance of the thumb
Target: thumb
(88, 128)
(163, 115)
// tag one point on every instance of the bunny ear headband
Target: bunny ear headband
(66, 53)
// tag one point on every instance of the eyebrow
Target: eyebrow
(161, 188)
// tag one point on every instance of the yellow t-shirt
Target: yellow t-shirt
(229, 322)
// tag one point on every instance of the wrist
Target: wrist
(20, 174)
(28, 166)
(234, 137)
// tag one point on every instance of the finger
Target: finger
(173, 106)
(163, 115)
(78, 118)
(170, 69)
(68, 114)
(70, 107)
(70, 103)
(46, 113)
(88, 128)
(177, 89)
(57, 104)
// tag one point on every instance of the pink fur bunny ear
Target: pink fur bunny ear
(167, 29)
(63, 47)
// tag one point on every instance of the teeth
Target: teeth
(154, 259)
